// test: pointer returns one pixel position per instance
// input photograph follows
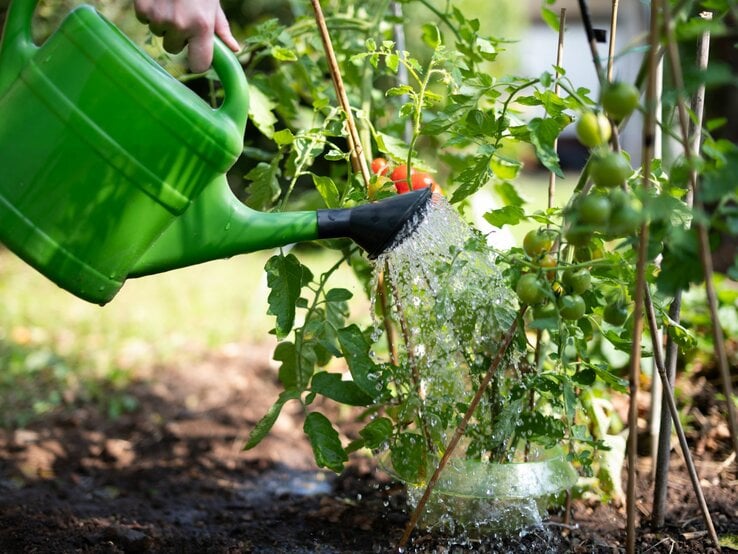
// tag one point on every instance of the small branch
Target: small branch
(358, 159)
(460, 430)
(658, 358)
(664, 447)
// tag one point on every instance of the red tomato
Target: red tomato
(421, 180)
(399, 176)
(379, 166)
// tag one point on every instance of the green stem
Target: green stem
(443, 17)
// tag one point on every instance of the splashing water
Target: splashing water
(454, 309)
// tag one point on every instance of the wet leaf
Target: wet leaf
(376, 432)
(285, 277)
(332, 386)
(324, 440)
(265, 424)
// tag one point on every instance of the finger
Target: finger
(142, 8)
(174, 41)
(201, 52)
(223, 30)
(159, 29)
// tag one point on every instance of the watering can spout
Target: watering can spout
(217, 225)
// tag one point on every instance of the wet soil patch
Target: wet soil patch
(171, 476)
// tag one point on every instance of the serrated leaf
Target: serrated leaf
(264, 187)
(505, 168)
(324, 440)
(399, 91)
(285, 277)
(338, 295)
(431, 35)
(262, 428)
(408, 457)
(543, 133)
(550, 18)
(283, 54)
(355, 348)
(393, 62)
(283, 137)
(472, 178)
(327, 189)
(376, 432)
(508, 215)
(332, 386)
(261, 110)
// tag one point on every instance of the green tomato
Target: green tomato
(626, 215)
(610, 170)
(615, 313)
(529, 290)
(578, 281)
(619, 99)
(572, 307)
(594, 209)
(589, 252)
(537, 242)
(577, 235)
(546, 311)
(593, 129)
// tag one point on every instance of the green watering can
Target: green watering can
(111, 168)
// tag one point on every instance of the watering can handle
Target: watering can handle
(17, 48)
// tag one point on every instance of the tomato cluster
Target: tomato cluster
(399, 177)
(540, 288)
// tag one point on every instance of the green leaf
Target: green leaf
(550, 18)
(264, 188)
(509, 215)
(338, 295)
(265, 424)
(729, 541)
(393, 62)
(355, 348)
(509, 194)
(284, 137)
(409, 457)
(332, 386)
(376, 432)
(431, 35)
(505, 168)
(324, 440)
(327, 189)
(261, 110)
(472, 178)
(585, 377)
(283, 54)
(543, 133)
(678, 266)
(285, 276)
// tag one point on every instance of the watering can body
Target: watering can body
(101, 149)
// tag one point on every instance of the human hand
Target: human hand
(188, 22)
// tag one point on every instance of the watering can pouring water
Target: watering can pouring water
(111, 168)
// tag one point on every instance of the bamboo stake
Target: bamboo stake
(557, 90)
(460, 430)
(703, 236)
(649, 129)
(658, 358)
(613, 32)
(358, 159)
(664, 446)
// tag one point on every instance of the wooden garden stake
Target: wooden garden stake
(460, 430)
(613, 33)
(358, 159)
(658, 358)
(664, 442)
(702, 233)
(557, 90)
(649, 129)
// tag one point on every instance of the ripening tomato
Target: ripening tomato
(593, 129)
(380, 166)
(537, 242)
(578, 281)
(615, 313)
(420, 180)
(399, 177)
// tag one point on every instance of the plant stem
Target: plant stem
(664, 442)
(358, 159)
(460, 430)
(649, 129)
(557, 90)
(658, 359)
(702, 234)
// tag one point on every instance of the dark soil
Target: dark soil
(172, 477)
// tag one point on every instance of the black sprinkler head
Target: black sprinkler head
(374, 226)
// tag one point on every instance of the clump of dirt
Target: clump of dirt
(172, 476)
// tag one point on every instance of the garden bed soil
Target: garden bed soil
(171, 476)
